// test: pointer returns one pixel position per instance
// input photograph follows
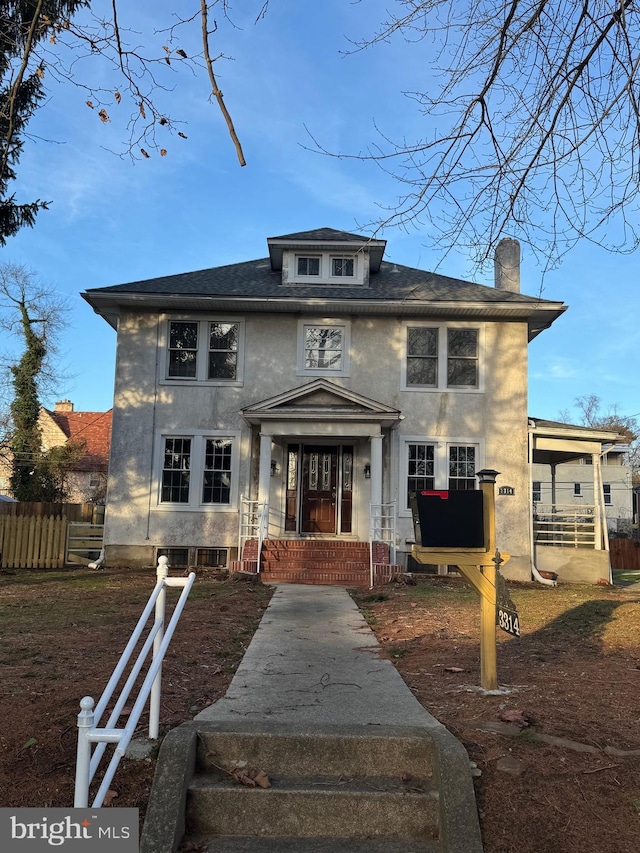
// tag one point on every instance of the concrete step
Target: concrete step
(311, 808)
(330, 786)
(219, 844)
(332, 753)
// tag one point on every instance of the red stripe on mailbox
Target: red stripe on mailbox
(443, 494)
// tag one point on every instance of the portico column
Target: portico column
(264, 475)
(376, 469)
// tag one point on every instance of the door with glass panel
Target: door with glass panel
(319, 489)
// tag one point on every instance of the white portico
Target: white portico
(320, 458)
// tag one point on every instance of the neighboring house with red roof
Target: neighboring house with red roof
(86, 480)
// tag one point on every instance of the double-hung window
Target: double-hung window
(462, 467)
(323, 348)
(205, 350)
(176, 470)
(441, 357)
(420, 467)
(462, 358)
(198, 471)
(438, 464)
(422, 357)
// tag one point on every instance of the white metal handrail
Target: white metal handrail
(254, 524)
(90, 716)
(382, 528)
(565, 524)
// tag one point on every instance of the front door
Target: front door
(319, 490)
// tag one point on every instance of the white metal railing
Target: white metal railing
(382, 528)
(89, 717)
(254, 524)
(566, 525)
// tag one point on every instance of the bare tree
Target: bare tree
(593, 413)
(42, 41)
(532, 130)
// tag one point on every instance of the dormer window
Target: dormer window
(326, 267)
(342, 267)
(308, 265)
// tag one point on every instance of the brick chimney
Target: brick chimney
(507, 265)
(65, 406)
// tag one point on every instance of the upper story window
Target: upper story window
(439, 357)
(308, 265)
(462, 358)
(342, 267)
(536, 491)
(183, 350)
(223, 350)
(204, 350)
(325, 268)
(606, 488)
(323, 348)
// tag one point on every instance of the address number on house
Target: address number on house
(507, 620)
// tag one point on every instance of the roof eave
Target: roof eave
(539, 316)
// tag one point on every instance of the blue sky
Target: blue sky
(113, 220)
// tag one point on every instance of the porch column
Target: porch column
(264, 475)
(376, 469)
(598, 501)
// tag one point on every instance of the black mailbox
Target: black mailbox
(447, 519)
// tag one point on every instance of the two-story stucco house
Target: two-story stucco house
(319, 386)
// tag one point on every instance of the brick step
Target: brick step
(320, 578)
(313, 543)
(316, 556)
(314, 565)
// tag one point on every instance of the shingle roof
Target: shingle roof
(257, 286)
(324, 234)
(257, 279)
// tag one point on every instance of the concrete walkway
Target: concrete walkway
(312, 692)
(314, 659)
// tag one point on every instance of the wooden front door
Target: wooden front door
(319, 488)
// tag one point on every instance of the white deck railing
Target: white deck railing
(565, 525)
(89, 717)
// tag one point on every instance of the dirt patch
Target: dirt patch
(61, 635)
(572, 681)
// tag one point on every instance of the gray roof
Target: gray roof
(257, 286)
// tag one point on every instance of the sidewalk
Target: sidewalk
(315, 707)
(314, 659)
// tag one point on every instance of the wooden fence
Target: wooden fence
(625, 554)
(88, 512)
(46, 542)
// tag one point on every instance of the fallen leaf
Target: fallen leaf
(453, 669)
(518, 718)
(109, 797)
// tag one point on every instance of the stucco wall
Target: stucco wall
(495, 417)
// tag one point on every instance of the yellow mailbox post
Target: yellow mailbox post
(481, 567)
